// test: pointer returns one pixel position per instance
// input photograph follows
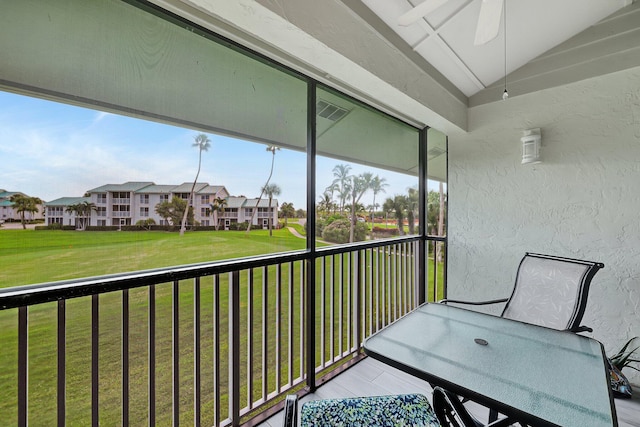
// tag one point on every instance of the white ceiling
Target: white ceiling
(445, 37)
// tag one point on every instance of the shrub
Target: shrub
(322, 223)
(239, 226)
(385, 232)
(338, 231)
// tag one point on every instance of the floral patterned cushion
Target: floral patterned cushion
(378, 411)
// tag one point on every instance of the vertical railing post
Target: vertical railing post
(23, 365)
(216, 350)
(152, 355)
(265, 332)
(290, 325)
(62, 346)
(125, 357)
(175, 350)
(234, 347)
(311, 236)
(197, 386)
(422, 215)
(357, 303)
(250, 337)
(95, 346)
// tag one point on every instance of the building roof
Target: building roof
(264, 202)
(162, 189)
(127, 186)
(212, 189)
(185, 187)
(6, 194)
(67, 201)
(243, 202)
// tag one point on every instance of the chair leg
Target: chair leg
(291, 411)
(450, 411)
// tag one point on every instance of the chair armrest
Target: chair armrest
(493, 301)
(290, 411)
(581, 328)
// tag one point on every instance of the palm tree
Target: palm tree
(377, 186)
(398, 206)
(328, 192)
(23, 204)
(358, 186)
(272, 149)
(217, 207)
(82, 211)
(412, 208)
(326, 203)
(75, 209)
(271, 190)
(85, 213)
(203, 143)
(342, 180)
(287, 211)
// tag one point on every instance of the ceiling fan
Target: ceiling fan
(488, 19)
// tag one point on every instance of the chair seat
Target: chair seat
(376, 411)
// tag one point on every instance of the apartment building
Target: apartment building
(240, 209)
(9, 213)
(128, 203)
(56, 211)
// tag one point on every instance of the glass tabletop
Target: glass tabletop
(556, 376)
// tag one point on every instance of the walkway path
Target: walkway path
(295, 233)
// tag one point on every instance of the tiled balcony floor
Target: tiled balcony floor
(371, 377)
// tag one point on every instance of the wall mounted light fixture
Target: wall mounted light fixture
(531, 141)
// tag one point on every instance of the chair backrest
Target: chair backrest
(551, 291)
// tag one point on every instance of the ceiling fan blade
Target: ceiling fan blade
(419, 11)
(488, 21)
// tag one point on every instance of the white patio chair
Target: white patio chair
(549, 291)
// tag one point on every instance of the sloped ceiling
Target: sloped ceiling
(550, 43)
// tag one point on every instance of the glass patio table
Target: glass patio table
(535, 375)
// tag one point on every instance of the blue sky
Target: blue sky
(52, 150)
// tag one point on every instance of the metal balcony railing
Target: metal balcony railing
(211, 344)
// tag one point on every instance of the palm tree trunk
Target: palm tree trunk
(270, 220)
(253, 214)
(183, 226)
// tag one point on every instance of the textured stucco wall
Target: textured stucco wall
(583, 201)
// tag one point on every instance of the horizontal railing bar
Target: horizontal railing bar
(26, 295)
(53, 291)
(353, 247)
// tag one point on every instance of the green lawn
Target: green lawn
(38, 256)
(28, 256)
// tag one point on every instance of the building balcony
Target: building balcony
(212, 344)
(215, 344)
